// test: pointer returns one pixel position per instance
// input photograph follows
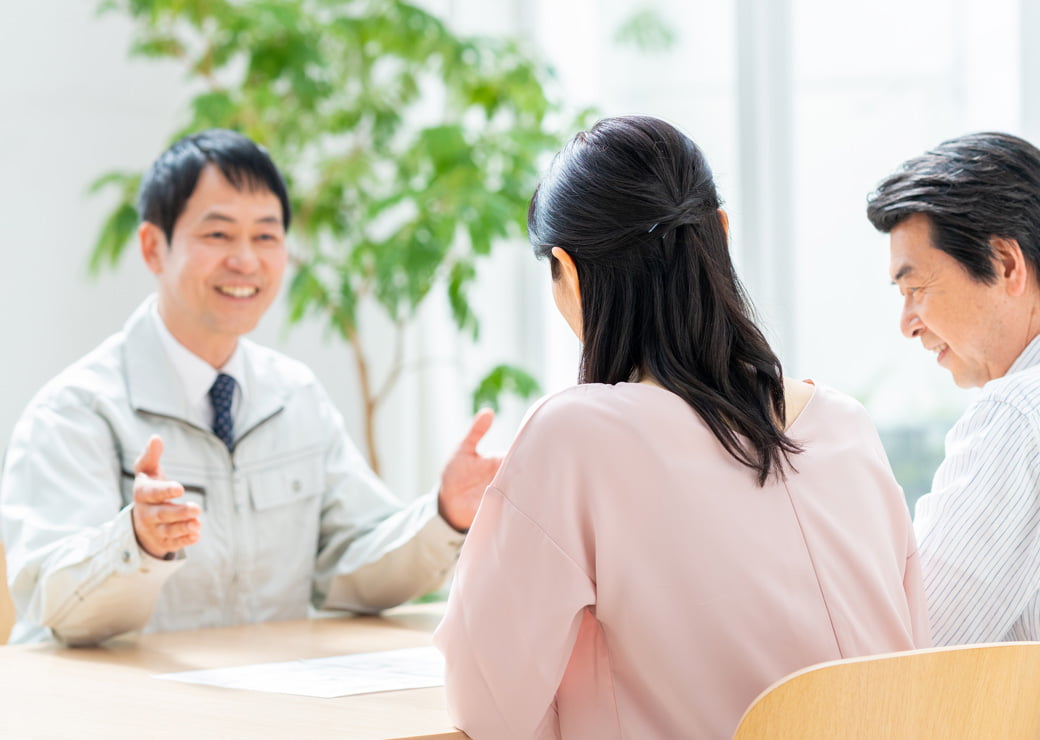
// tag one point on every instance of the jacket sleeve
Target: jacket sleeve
(513, 618)
(373, 552)
(74, 566)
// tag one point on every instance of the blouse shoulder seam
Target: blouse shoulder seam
(541, 529)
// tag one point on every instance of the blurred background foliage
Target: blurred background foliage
(409, 152)
(647, 30)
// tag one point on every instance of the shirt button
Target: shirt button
(296, 486)
(126, 556)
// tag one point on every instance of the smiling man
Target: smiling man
(180, 476)
(964, 228)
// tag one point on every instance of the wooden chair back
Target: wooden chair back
(6, 606)
(965, 692)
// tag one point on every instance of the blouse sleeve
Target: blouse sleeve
(915, 598)
(511, 623)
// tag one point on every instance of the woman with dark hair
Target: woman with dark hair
(685, 526)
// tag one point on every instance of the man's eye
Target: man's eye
(217, 235)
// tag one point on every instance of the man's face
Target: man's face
(223, 267)
(965, 322)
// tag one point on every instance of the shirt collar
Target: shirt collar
(1030, 356)
(197, 375)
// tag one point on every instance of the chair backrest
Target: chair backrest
(968, 691)
(6, 606)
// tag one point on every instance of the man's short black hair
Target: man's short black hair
(972, 188)
(171, 180)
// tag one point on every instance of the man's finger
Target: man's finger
(148, 462)
(150, 491)
(182, 542)
(481, 423)
(172, 513)
(179, 529)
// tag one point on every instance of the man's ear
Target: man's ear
(153, 246)
(1011, 264)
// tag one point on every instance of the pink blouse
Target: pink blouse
(625, 577)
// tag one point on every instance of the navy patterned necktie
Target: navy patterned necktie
(221, 394)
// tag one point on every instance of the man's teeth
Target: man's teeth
(244, 291)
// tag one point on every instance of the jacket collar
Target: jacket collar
(153, 385)
(268, 388)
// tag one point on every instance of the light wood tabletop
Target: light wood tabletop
(49, 691)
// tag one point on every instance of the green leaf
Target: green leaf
(125, 180)
(306, 293)
(346, 314)
(462, 274)
(646, 31)
(158, 47)
(213, 110)
(504, 379)
(446, 146)
(115, 235)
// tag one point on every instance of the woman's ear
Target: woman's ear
(724, 218)
(567, 271)
(567, 289)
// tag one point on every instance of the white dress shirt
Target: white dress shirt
(197, 376)
(979, 529)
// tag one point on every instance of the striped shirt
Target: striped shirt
(978, 531)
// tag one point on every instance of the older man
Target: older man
(181, 476)
(964, 227)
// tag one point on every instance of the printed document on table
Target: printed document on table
(342, 675)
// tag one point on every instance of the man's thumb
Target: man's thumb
(148, 462)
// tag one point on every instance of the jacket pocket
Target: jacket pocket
(287, 482)
(286, 500)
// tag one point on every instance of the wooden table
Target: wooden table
(48, 691)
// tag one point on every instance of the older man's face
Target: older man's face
(969, 325)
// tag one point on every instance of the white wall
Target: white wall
(72, 108)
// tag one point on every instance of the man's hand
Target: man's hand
(161, 527)
(466, 476)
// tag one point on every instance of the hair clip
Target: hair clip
(651, 229)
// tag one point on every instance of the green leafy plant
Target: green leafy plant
(409, 151)
(647, 31)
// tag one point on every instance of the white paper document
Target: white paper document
(342, 675)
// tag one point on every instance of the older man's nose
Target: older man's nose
(909, 323)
